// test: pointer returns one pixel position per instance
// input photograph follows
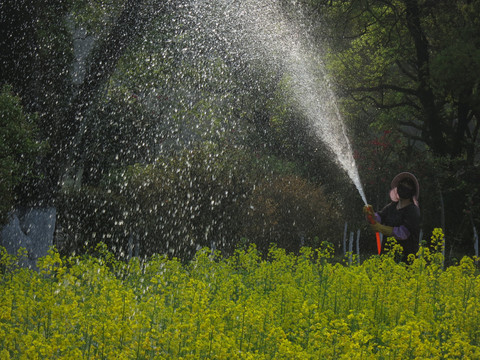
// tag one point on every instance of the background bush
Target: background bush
(291, 212)
(198, 197)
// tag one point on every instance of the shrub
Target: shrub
(189, 200)
(290, 212)
(88, 216)
(204, 196)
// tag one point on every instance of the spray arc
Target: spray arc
(284, 44)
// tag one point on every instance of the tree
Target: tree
(18, 149)
(413, 65)
(37, 55)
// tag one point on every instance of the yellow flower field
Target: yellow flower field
(241, 307)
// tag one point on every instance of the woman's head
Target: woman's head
(405, 186)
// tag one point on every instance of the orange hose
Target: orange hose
(379, 243)
(371, 220)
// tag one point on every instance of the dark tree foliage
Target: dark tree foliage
(18, 149)
(413, 65)
(36, 58)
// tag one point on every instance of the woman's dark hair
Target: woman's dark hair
(409, 183)
(406, 189)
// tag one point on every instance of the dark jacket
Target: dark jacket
(409, 218)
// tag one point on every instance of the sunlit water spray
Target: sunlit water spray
(285, 45)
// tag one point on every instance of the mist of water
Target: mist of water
(286, 43)
(251, 33)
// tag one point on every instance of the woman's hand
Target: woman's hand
(369, 213)
(368, 210)
(385, 230)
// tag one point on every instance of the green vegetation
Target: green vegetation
(241, 307)
(194, 197)
(18, 149)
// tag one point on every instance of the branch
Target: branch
(411, 124)
(385, 87)
(383, 105)
(405, 71)
(105, 57)
(130, 24)
(410, 136)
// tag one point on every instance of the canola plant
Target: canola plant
(241, 307)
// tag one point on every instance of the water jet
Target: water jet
(286, 42)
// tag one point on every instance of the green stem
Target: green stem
(243, 327)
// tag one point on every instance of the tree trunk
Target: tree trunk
(433, 133)
(102, 63)
(460, 136)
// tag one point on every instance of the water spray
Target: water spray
(288, 44)
(283, 44)
(309, 86)
(261, 32)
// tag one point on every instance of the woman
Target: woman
(400, 218)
